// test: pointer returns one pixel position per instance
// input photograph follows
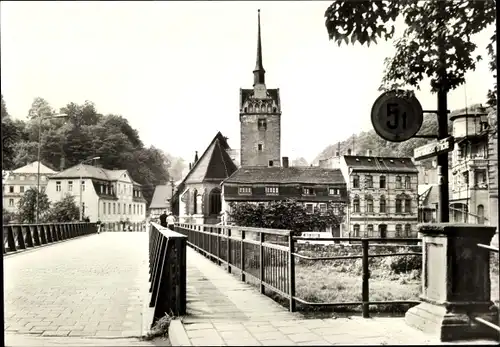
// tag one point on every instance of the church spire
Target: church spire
(259, 72)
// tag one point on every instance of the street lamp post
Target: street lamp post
(81, 186)
(40, 118)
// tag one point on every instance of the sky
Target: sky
(174, 69)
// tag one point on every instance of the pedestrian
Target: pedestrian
(163, 219)
(170, 221)
(98, 223)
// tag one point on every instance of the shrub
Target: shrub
(404, 263)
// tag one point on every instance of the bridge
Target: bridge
(67, 285)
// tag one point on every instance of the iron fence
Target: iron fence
(22, 236)
(268, 256)
(167, 269)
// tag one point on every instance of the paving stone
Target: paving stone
(198, 326)
(207, 342)
(242, 342)
(303, 337)
(269, 335)
(56, 333)
(201, 333)
(294, 330)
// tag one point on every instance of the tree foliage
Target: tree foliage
(64, 210)
(83, 134)
(285, 214)
(417, 55)
(28, 207)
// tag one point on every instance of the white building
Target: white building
(18, 181)
(108, 195)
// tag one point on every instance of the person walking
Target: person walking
(163, 219)
(170, 221)
(98, 223)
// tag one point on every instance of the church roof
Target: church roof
(160, 196)
(246, 94)
(289, 175)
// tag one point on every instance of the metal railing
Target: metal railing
(167, 269)
(23, 236)
(479, 319)
(268, 256)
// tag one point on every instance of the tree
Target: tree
(64, 210)
(286, 214)
(27, 206)
(417, 54)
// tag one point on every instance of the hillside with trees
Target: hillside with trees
(83, 134)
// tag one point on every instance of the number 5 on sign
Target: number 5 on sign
(396, 117)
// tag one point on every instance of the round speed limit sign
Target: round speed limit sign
(397, 117)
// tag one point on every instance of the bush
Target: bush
(64, 210)
(404, 263)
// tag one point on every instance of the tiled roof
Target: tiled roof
(161, 194)
(311, 175)
(245, 94)
(89, 171)
(381, 164)
(32, 168)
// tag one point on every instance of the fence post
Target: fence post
(228, 238)
(291, 269)
(365, 291)
(218, 246)
(261, 259)
(242, 255)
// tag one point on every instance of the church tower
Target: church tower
(260, 118)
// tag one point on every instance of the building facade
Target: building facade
(110, 196)
(470, 170)
(383, 196)
(18, 181)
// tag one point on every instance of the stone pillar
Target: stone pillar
(455, 282)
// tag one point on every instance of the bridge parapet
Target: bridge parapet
(22, 236)
(167, 268)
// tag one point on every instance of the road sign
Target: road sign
(433, 149)
(397, 117)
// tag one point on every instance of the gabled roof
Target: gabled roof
(160, 196)
(32, 168)
(273, 94)
(214, 164)
(289, 175)
(89, 171)
(380, 164)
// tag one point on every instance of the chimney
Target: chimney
(195, 157)
(285, 161)
(349, 151)
(368, 152)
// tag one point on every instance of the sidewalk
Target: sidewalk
(225, 311)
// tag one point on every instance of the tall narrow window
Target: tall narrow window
(114, 208)
(11, 188)
(398, 230)
(408, 205)
(103, 208)
(369, 204)
(355, 181)
(382, 182)
(369, 230)
(58, 186)
(407, 230)
(369, 181)
(259, 146)
(215, 206)
(399, 183)
(382, 204)
(83, 186)
(356, 230)
(70, 186)
(355, 204)
(21, 189)
(262, 124)
(407, 182)
(398, 205)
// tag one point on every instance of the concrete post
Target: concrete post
(455, 282)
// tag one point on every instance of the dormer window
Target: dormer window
(308, 191)
(262, 124)
(333, 191)
(244, 190)
(272, 190)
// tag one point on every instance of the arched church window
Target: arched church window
(269, 108)
(195, 200)
(250, 108)
(274, 109)
(215, 201)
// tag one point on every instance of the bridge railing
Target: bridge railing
(269, 257)
(22, 236)
(167, 268)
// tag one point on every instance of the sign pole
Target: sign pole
(442, 96)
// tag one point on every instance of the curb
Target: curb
(177, 335)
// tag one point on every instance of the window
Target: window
(309, 208)
(259, 146)
(307, 191)
(22, 178)
(355, 204)
(382, 204)
(333, 191)
(103, 208)
(368, 181)
(355, 181)
(109, 208)
(271, 163)
(11, 189)
(398, 230)
(120, 188)
(480, 214)
(382, 182)
(465, 177)
(272, 190)
(407, 230)
(119, 208)
(369, 204)
(124, 208)
(130, 208)
(134, 208)
(322, 207)
(11, 202)
(407, 182)
(399, 183)
(398, 205)
(369, 230)
(408, 205)
(83, 186)
(70, 186)
(245, 190)
(215, 202)
(356, 230)
(58, 186)
(21, 189)
(262, 124)
(114, 208)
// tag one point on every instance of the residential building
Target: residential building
(470, 170)
(313, 186)
(111, 196)
(161, 200)
(198, 196)
(18, 181)
(383, 196)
